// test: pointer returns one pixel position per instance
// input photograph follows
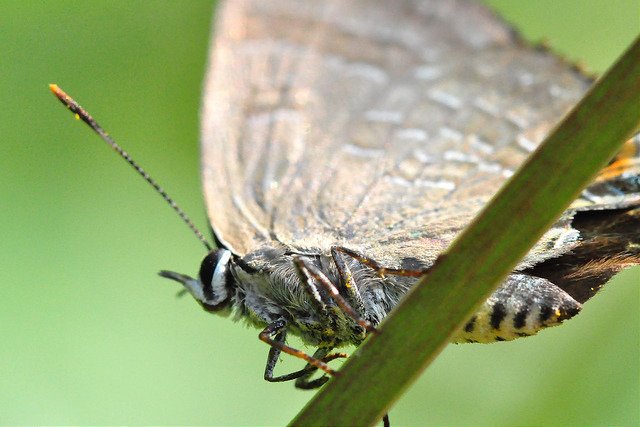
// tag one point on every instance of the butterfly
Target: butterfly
(345, 144)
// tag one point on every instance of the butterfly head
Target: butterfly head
(212, 288)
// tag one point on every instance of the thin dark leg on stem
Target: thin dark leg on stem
(305, 383)
(272, 360)
(302, 376)
(385, 421)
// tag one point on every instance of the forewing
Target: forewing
(382, 126)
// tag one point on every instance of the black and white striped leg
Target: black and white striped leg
(311, 271)
(346, 278)
(307, 281)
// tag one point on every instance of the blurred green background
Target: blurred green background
(90, 335)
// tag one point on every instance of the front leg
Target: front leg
(302, 376)
(277, 330)
(305, 383)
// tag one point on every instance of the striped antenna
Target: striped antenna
(83, 115)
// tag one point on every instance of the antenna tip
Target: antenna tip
(71, 104)
(56, 90)
(59, 93)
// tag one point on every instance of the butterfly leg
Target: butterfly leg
(272, 360)
(305, 383)
(374, 265)
(346, 278)
(277, 330)
(302, 376)
(310, 271)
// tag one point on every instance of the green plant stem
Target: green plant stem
(466, 274)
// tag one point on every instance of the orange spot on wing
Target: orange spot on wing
(627, 158)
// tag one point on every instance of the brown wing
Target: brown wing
(382, 126)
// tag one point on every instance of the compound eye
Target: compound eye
(207, 268)
(213, 276)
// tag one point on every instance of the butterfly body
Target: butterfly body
(265, 287)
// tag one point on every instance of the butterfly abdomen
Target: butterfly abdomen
(522, 306)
